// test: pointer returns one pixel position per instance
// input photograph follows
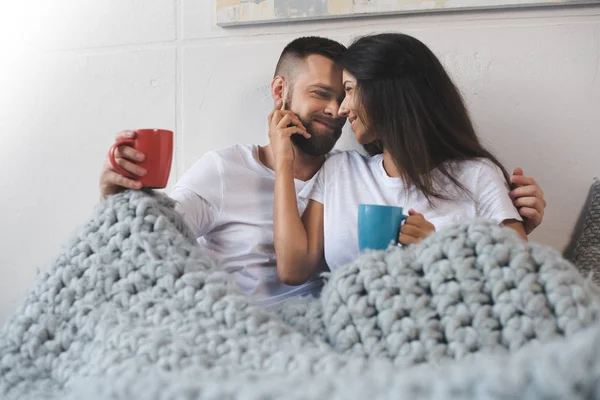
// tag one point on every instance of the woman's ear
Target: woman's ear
(278, 89)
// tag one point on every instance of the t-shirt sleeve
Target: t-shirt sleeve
(491, 195)
(199, 215)
(199, 194)
(314, 189)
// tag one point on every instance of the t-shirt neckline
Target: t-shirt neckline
(263, 167)
(382, 174)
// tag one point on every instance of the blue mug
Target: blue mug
(378, 226)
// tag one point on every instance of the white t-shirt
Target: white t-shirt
(226, 198)
(349, 179)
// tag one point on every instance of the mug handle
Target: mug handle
(402, 221)
(111, 157)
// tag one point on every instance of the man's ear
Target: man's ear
(278, 89)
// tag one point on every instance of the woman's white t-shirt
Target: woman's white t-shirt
(348, 179)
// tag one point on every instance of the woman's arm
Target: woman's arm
(298, 247)
(299, 244)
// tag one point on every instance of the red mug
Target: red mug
(157, 146)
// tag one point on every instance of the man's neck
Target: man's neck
(305, 166)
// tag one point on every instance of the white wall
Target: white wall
(73, 75)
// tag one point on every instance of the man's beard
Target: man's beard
(320, 143)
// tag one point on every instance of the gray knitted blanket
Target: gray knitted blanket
(133, 309)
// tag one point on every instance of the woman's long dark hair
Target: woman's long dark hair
(404, 95)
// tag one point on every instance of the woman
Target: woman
(426, 157)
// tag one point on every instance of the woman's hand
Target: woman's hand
(282, 125)
(415, 229)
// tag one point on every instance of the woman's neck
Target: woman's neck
(390, 166)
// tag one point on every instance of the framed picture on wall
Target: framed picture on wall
(244, 12)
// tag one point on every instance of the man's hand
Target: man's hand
(111, 181)
(528, 198)
(280, 132)
(415, 229)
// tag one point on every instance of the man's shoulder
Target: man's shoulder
(235, 152)
(238, 154)
(214, 163)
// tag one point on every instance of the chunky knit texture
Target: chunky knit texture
(586, 255)
(133, 309)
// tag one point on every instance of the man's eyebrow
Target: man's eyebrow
(321, 86)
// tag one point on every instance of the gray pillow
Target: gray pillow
(584, 249)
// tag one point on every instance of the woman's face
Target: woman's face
(348, 110)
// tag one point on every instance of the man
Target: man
(227, 198)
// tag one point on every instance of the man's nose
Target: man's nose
(333, 109)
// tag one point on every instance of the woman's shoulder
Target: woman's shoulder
(475, 167)
(346, 158)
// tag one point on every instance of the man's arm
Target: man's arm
(528, 198)
(198, 195)
(197, 213)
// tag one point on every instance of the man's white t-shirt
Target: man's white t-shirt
(227, 199)
(349, 179)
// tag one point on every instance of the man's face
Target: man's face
(315, 96)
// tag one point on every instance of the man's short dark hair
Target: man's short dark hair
(299, 49)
